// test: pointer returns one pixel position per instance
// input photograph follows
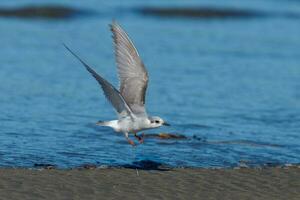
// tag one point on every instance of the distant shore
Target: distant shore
(119, 183)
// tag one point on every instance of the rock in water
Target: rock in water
(166, 136)
(46, 11)
(201, 12)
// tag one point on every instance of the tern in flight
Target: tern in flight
(129, 100)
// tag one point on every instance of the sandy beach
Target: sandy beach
(267, 183)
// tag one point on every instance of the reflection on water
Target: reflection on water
(230, 88)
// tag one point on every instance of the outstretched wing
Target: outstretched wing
(132, 73)
(111, 93)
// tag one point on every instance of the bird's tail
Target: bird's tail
(102, 123)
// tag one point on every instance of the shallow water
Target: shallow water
(230, 86)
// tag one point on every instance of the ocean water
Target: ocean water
(231, 86)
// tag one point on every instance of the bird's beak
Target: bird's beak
(166, 124)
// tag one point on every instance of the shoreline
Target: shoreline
(153, 165)
(125, 183)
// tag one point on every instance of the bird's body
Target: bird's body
(129, 100)
(127, 125)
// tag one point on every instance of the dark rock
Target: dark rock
(147, 165)
(44, 166)
(88, 166)
(212, 13)
(200, 12)
(270, 164)
(165, 136)
(46, 11)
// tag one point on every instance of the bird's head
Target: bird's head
(157, 122)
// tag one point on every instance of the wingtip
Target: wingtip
(64, 44)
(75, 55)
(114, 25)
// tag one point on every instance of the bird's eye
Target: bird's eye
(156, 121)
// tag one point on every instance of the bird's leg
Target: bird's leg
(129, 140)
(139, 138)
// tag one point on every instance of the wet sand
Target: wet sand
(268, 183)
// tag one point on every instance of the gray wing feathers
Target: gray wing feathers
(110, 92)
(132, 73)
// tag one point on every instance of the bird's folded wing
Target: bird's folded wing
(132, 73)
(111, 93)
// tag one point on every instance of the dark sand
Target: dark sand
(269, 183)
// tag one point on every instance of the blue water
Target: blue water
(231, 86)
